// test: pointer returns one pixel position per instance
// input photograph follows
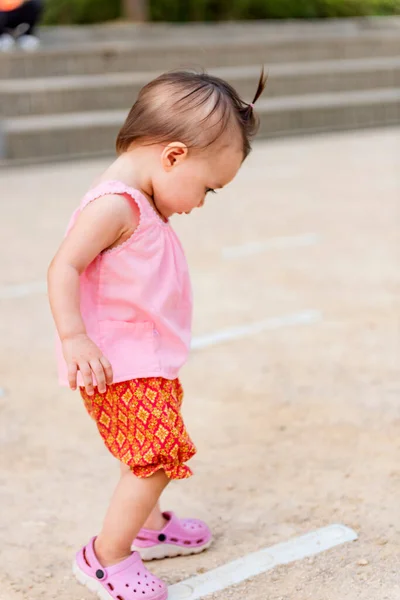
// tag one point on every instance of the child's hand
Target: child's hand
(81, 354)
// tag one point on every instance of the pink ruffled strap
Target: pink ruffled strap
(118, 187)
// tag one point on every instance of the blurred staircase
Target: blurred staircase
(69, 101)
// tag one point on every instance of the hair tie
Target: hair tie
(252, 105)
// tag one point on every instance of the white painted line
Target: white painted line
(307, 317)
(20, 290)
(33, 523)
(260, 562)
(279, 243)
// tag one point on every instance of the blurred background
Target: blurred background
(64, 89)
(292, 389)
(90, 11)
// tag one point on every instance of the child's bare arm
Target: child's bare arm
(101, 224)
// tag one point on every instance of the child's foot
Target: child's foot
(128, 580)
(180, 537)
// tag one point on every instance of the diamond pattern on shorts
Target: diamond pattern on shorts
(126, 398)
(123, 418)
(105, 419)
(141, 424)
(120, 439)
(140, 437)
(162, 433)
(127, 457)
(143, 414)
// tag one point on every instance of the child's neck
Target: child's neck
(132, 168)
(131, 172)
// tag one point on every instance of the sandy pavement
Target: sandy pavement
(297, 427)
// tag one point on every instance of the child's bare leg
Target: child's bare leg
(130, 506)
(155, 521)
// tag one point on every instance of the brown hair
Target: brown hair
(193, 108)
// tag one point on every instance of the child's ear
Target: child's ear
(173, 155)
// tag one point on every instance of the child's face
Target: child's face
(185, 178)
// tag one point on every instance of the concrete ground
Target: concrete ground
(297, 427)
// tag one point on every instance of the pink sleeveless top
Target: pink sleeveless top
(136, 299)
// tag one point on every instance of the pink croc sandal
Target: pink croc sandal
(128, 580)
(180, 537)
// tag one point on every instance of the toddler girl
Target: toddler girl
(120, 295)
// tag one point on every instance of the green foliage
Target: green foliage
(346, 8)
(386, 7)
(215, 10)
(63, 12)
(275, 9)
(94, 11)
(362, 8)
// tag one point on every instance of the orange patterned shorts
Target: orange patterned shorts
(141, 424)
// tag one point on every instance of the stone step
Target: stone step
(122, 31)
(63, 136)
(23, 97)
(123, 56)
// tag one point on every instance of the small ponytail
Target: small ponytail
(262, 82)
(248, 117)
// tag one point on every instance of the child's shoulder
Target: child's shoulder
(104, 206)
(113, 197)
(101, 188)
